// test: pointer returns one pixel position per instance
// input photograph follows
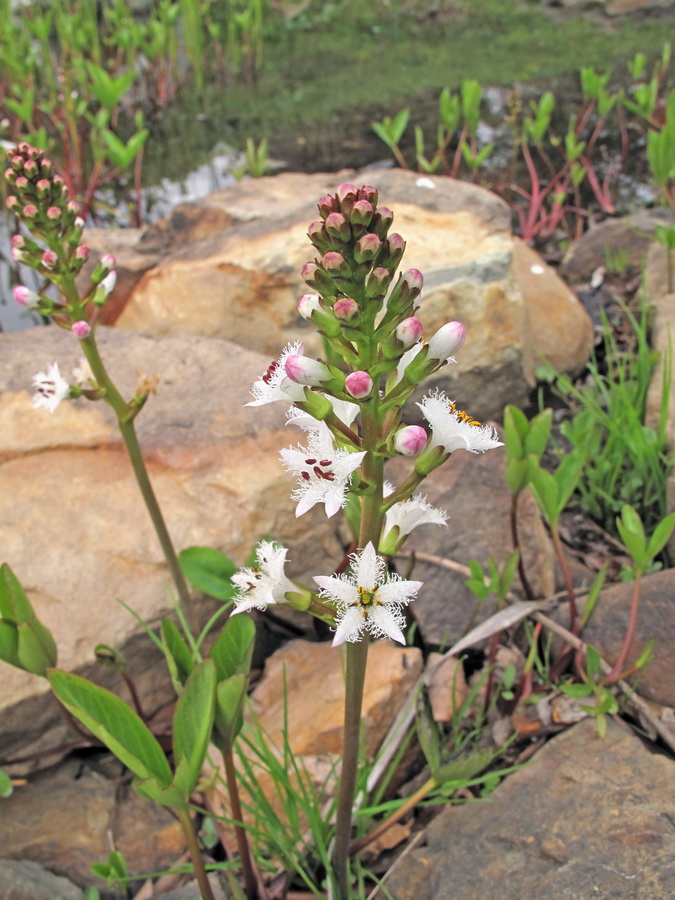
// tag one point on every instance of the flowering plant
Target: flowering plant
(353, 416)
(351, 411)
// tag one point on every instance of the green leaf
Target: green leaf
(516, 475)
(660, 536)
(593, 666)
(233, 650)
(193, 725)
(36, 648)
(9, 644)
(6, 786)
(545, 490)
(538, 433)
(114, 723)
(577, 690)
(515, 430)
(230, 699)
(208, 570)
(14, 603)
(464, 768)
(177, 653)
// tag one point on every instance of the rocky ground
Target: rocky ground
(205, 299)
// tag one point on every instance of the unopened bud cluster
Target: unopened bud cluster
(50, 240)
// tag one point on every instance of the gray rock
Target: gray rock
(23, 880)
(586, 818)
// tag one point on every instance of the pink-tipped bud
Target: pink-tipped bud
(79, 222)
(49, 259)
(73, 207)
(18, 241)
(30, 168)
(346, 310)
(42, 187)
(410, 440)
(347, 191)
(18, 255)
(409, 331)
(304, 370)
(12, 202)
(54, 213)
(362, 213)
(26, 297)
(29, 210)
(46, 167)
(108, 261)
(367, 248)
(22, 183)
(382, 221)
(16, 162)
(308, 304)
(368, 193)
(413, 281)
(82, 252)
(10, 176)
(81, 329)
(359, 385)
(318, 235)
(378, 282)
(327, 204)
(338, 227)
(335, 263)
(447, 341)
(33, 152)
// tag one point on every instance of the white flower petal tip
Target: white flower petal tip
(275, 384)
(369, 599)
(265, 584)
(408, 514)
(323, 471)
(453, 429)
(50, 388)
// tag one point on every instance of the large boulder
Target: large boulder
(237, 276)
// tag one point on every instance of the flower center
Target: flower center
(463, 416)
(368, 598)
(318, 468)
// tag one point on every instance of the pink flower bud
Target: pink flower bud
(413, 280)
(108, 261)
(303, 370)
(378, 282)
(346, 310)
(338, 227)
(73, 207)
(18, 255)
(16, 162)
(362, 213)
(46, 167)
(18, 241)
(446, 341)
(308, 304)
(12, 202)
(346, 191)
(367, 248)
(30, 168)
(10, 176)
(22, 183)
(109, 282)
(334, 263)
(368, 193)
(25, 297)
(359, 385)
(81, 329)
(54, 213)
(409, 331)
(29, 210)
(382, 221)
(327, 205)
(49, 259)
(42, 187)
(82, 252)
(317, 234)
(410, 440)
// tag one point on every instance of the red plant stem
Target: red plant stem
(240, 833)
(616, 673)
(567, 578)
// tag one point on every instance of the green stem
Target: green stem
(357, 653)
(195, 854)
(357, 657)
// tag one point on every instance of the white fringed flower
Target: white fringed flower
(453, 429)
(323, 471)
(410, 513)
(264, 584)
(275, 384)
(369, 599)
(50, 388)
